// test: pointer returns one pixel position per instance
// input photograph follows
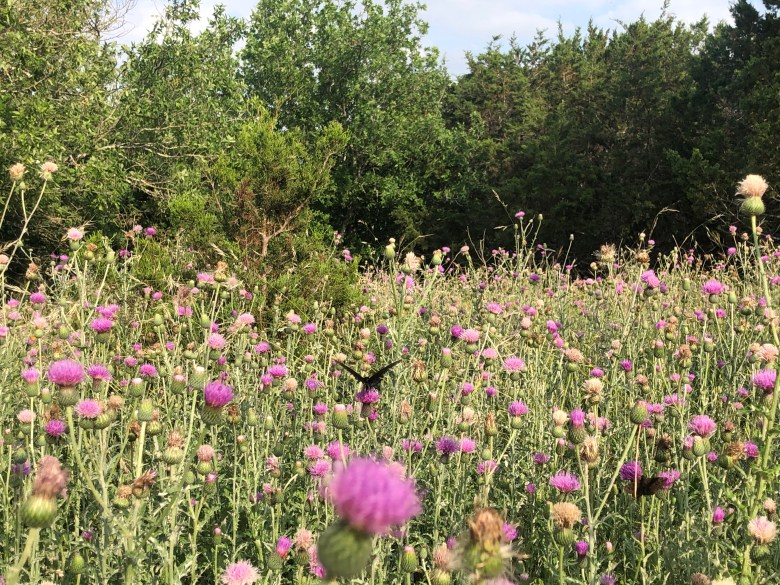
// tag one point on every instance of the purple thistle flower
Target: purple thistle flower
(37, 298)
(581, 548)
(147, 371)
(367, 396)
(319, 409)
(313, 452)
(765, 380)
(372, 496)
(541, 458)
(510, 532)
(55, 428)
(447, 445)
(670, 476)
(627, 365)
(751, 450)
(66, 373)
(30, 375)
(277, 371)
(335, 449)
(565, 482)
(718, 515)
(98, 372)
(486, 467)
(216, 394)
(631, 471)
(607, 579)
(702, 425)
(577, 417)
(283, 546)
(713, 287)
(518, 408)
(411, 446)
(101, 325)
(320, 468)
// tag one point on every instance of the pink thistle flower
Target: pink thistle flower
(713, 287)
(518, 408)
(31, 375)
(335, 450)
(514, 364)
(51, 480)
(66, 373)
(718, 515)
(765, 380)
(216, 394)
(470, 336)
(239, 573)
(25, 416)
(670, 476)
(313, 452)
(55, 428)
(38, 298)
(565, 482)
(702, 425)
(577, 417)
(98, 372)
(467, 445)
(320, 468)
(372, 496)
(762, 529)
(283, 546)
(310, 328)
(277, 371)
(216, 341)
(88, 408)
(147, 371)
(101, 325)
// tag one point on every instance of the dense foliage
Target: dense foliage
(611, 132)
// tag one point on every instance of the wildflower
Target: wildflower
(372, 496)
(239, 573)
(47, 170)
(514, 364)
(66, 373)
(718, 515)
(702, 425)
(16, 172)
(101, 325)
(565, 482)
(565, 514)
(713, 287)
(40, 509)
(518, 408)
(765, 380)
(752, 186)
(447, 446)
(762, 530)
(217, 394)
(631, 471)
(90, 409)
(55, 428)
(369, 497)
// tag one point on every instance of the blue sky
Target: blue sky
(457, 26)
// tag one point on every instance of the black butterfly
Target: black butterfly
(374, 379)
(646, 486)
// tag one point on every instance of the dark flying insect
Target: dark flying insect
(374, 379)
(646, 486)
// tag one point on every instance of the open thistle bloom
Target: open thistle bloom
(372, 496)
(369, 497)
(631, 471)
(66, 373)
(239, 573)
(565, 482)
(702, 425)
(752, 188)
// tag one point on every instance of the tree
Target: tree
(362, 65)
